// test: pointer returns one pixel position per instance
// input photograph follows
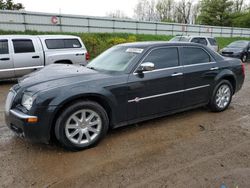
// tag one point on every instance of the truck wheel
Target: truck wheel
(222, 96)
(244, 58)
(81, 125)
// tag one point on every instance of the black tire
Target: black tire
(244, 58)
(212, 104)
(62, 120)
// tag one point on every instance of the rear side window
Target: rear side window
(23, 46)
(212, 41)
(163, 58)
(62, 43)
(193, 56)
(4, 47)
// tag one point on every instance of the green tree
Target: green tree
(10, 5)
(216, 12)
(242, 19)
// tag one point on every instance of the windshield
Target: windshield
(117, 58)
(238, 44)
(181, 38)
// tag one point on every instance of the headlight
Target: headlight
(27, 101)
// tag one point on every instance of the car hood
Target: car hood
(57, 75)
(227, 49)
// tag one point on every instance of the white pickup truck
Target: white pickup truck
(22, 54)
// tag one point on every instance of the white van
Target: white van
(22, 54)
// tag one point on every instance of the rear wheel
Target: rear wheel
(81, 125)
(222, 96)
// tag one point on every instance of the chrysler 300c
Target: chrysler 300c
(126, 84)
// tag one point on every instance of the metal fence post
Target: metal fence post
(24, 21)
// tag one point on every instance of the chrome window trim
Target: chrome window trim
(198, 64)
(180, 66)
(138, 99)
(21, 68)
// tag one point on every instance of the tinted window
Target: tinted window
(203, 41)
(194, 56)
(195, 40)
(23, 46)
(62, 43)
(163, 58)
(4, 48)
(212, 41)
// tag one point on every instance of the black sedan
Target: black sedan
(238, 49)
(126, 84)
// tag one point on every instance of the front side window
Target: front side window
(23, 46)
(163, 58)
(4, 47)
(191, 56)
(62, 43)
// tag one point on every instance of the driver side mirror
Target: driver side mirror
(147, 66)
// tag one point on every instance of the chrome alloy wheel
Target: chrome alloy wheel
(83, 127)
(223, 96)
(244, 58)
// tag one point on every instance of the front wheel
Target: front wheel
(81, 125)
(244, 58)
(222, 96)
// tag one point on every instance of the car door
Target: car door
(199, 70)
(157, 91)
(27, 55)
(6, 60)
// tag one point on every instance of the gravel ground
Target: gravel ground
(191, 149)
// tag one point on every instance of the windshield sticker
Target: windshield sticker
(134, 50)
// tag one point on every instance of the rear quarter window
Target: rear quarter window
(212, 41)
(193, 55)
(62, 43)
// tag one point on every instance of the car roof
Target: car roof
(40, 36)
(194, 36)
(159, 43)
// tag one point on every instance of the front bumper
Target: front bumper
(38, 132)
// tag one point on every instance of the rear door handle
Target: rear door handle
(5, 59)
(177, 74)
(35, 57)
(80, 54)
(214, 68)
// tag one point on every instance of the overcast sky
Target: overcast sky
(81, 7)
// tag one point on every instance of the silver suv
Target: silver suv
(22, 54)
(207, 41)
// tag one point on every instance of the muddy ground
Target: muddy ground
(192, 149)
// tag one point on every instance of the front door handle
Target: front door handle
(177, 74)
(35, 57)
(214, 68)
(5, 59)
(80, 54)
